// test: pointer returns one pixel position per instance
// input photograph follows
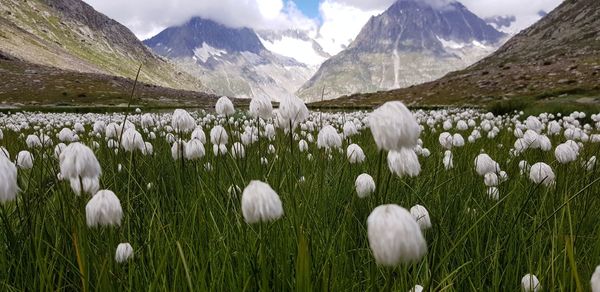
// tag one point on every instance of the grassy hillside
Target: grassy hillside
(31, 85)
(70, 34)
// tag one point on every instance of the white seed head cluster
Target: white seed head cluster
(365, 185)
(182, 121)
(595, 280)
(260, 203)
(292, 111)
(541, 173)
(394, 127)
(8, 180)
(103, 209)
(404, 162)
(124, 253)
(530, 283)
(224, 106)
(261, 107)
(329, 138)
(395, 236)
(79, 165)
(355, 154)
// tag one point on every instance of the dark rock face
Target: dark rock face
(180, 41)
(414, 26)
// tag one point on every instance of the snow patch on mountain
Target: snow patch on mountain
(205, 52)
(453, 45)
(300, 50)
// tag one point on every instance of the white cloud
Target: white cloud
(341, 23)
(341, 20)
(368, 5)
(526, 14)
(148, 17)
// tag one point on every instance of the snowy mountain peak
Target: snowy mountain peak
(183, 40)
(234, 61)
(411, 25)
(412, 42)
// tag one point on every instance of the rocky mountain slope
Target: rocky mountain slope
(230, 61)
(411, 42)
(555, 60)
(71, 35)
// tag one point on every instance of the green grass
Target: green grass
(188, 232)
(536, 106)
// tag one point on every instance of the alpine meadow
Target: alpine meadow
(300, 145)
(299, 200)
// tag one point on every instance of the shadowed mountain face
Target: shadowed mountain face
(71, 35)
(178, 42)
(230, 61)
(410, 43)
(555, 60)
(413, 26)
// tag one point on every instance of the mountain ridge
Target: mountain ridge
(180, 41)
(234, 66)
(557, 60)
(71, 35)
(409, 43)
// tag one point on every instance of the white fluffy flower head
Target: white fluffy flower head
(329, 138)
(124, 252)
(542, 173)
(404, 162)
(365, 185)
(393, 127)
(595, 280)
(260, 203)
(8, 180)
(355, 154)
(80, 166)
(485, 164)
(421, 215)
(25, 160)
(224, 106)
(194, 149)
(218, 135)
(394, 236)
(292, 111)
(182, 121)
(261, 106)
(103, 209)
(530, 283)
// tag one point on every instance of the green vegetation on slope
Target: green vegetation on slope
(78, 38)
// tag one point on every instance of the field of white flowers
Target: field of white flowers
(287, 199)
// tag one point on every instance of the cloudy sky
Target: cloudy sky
(333, 22)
